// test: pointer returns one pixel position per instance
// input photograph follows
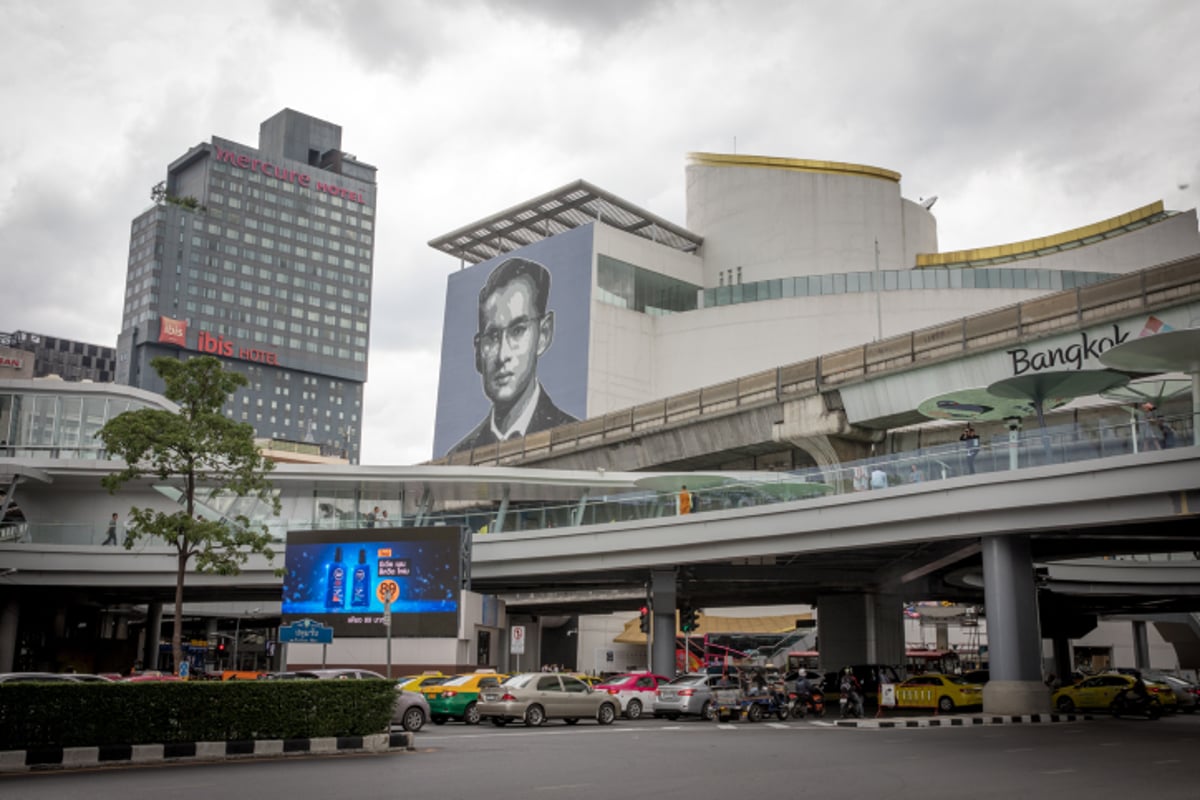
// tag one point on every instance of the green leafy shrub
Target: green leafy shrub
(90, 714)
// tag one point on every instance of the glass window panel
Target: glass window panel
(941, 278)
(956, 279)
(825, 284)
(889, 280)
(839, 283)
(904, 279)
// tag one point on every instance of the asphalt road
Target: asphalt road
(689, 760)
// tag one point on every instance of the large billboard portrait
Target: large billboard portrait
(341, 577)
(515, 344)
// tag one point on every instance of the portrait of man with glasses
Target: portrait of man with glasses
(515, 329)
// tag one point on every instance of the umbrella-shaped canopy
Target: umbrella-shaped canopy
(1038, 387)
(666, 482)
(1152, 390)
(980, 405)
(1166, 351)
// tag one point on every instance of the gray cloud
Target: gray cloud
(1025, 118)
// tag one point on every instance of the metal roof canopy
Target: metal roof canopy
(567, 207)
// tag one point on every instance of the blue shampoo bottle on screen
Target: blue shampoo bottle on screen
(360, 588)
(335, 591)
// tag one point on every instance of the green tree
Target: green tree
(196, 447)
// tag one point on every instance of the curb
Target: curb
(38, 758)
(962, 722)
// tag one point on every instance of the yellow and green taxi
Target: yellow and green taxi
(935, 690)
(456, 698)
(1099, 691)
(415, 683)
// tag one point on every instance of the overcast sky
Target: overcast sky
(1025, 118)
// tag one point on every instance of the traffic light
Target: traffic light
(220, 648)
(688, 619)
(644, 622)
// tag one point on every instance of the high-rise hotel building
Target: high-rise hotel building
(263, 258)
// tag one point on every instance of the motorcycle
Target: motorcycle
(1131, 704)
(813, 702)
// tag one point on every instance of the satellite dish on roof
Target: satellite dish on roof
(927, 202)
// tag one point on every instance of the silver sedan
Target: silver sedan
(687, 695)
(534, 697)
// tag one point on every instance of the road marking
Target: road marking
(671, 728)
(1057, 771)
(779, 725)
(561, 786)
(725, 726)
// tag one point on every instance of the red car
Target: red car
(635, 691)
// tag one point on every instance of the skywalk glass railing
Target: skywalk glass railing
(1000, 452)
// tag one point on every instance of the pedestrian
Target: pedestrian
(971, 440)
(371, 517)
(685, 500)
(862, 481)
(383, 519)
(111, 534)
(915, 475)
(879, 479)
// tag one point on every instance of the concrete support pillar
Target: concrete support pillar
(1141, 644)
(662, 609)
(122, 629)
(865, 628)
(942, 633)
(1014, 637)
(154, 612)
(10, 616)
(1062, 659)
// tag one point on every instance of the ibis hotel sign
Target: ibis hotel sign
(174, 331)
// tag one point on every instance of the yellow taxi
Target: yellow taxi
(456, 698)
(414, 683)
(935, 690)
(1099, 691)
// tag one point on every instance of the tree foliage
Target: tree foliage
(196, 448)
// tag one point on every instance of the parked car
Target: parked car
(980, 676)
(687, 695)
(1098, 692)
(635, 692)
(535, 697)
(1187, 694)
(411, 709)
(458, 697)
(414, 683)
(287, 676)
(35, 677)
(345, 673)
(1156, 685)
(935, 690)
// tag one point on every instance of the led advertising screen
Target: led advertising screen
(341, 577)
(515, 344)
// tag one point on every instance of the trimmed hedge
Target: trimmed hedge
(95, 714)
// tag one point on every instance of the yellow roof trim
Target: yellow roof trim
(1033, 245)
(792, 164)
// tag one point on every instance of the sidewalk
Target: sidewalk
(959, 720)
(44, 758)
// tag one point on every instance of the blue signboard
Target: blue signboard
(306, 630)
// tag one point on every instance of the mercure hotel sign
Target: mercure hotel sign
(285, 174)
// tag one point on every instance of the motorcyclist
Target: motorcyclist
(851, 690)
(803, 692)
